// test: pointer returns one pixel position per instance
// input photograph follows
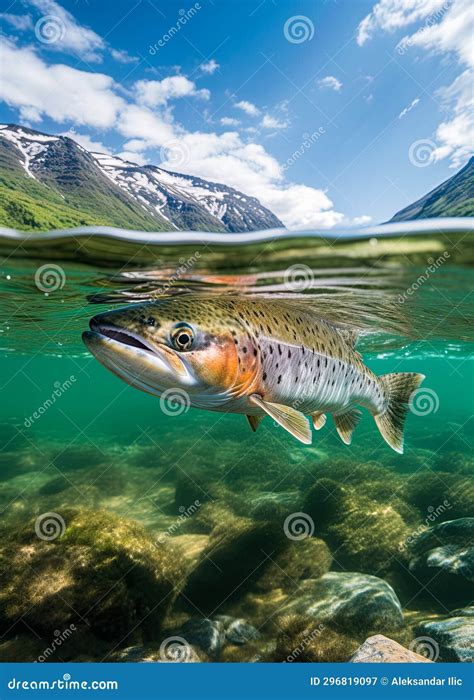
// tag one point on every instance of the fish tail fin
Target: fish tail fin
(399, 387)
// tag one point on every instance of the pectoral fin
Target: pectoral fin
(345, 424)
(319, 420)
(293, 421)
(254, 421)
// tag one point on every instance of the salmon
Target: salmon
(257, 357)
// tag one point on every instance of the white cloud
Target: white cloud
(123, 56)
(86, 142)
(269, 122)
(58, 91)
(448, 28)
(66, 94)
(389, 15)
(133, 157)
(72, 37)
(454, 136)
(209, 67)
(20, 22)
(248, 108)
(330, 82)
(405, 111)
(363, 220)
(229, 121)
(153, 93)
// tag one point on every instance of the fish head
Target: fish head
(168, 344)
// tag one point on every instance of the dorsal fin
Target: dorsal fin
(289, 418)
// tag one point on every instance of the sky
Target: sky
(331, 112)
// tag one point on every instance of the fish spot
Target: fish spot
(264, 376)
(279, 379)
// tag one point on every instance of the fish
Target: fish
(256, 357)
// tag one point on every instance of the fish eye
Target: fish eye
(182, 337)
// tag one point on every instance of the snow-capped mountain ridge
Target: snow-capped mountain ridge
(167, 199)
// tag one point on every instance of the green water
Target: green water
(213, 497)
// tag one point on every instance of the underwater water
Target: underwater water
(135, 529)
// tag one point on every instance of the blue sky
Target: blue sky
(331, 112)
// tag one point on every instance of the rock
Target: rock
(451, 638)
(303, 640)
(205, 633)
(273, 505)
(442, 557)
(302, 559)
(240, 632)
(103, 568)
(440, 496)
(365, 535)
(352, 601)
(237, 556)
(380, 649)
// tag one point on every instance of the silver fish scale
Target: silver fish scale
(310, 382)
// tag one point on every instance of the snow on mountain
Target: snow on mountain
(175, 200)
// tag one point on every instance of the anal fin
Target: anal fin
(319, 420)
(254, 421)
(289, 418)
(345, 424)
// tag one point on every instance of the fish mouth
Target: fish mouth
(118, 346)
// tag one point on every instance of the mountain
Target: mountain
(455, 197)
(52, 182)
